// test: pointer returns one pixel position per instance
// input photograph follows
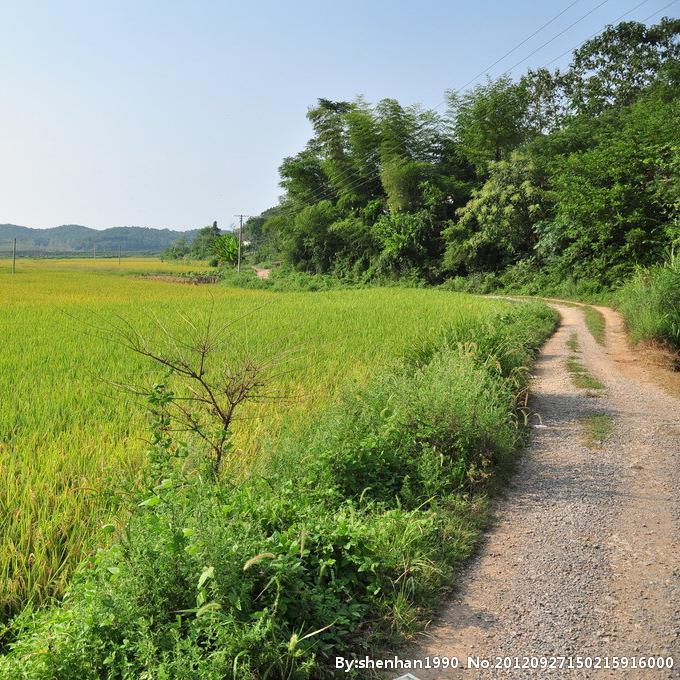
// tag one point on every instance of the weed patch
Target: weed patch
(650, 303)
(572, 343)
(580, 376)
(596, 428)
(595, 323)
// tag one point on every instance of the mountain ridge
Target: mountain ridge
(76, 238)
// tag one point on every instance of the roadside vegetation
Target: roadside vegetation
(650, 303)
(339, 539)
(558, 184)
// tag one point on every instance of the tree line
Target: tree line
(572, 173)
(209, 243)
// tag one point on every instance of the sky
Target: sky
(174, 114)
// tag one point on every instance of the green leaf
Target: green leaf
(208, 573)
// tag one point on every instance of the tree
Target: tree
(490, 120)
(407, 240)
(203, 246)
(496, 227)
(202, 393)
(611, 69)
(614, 68)
(363, 138)
(177, 249)
(409, 150)
(308, 242)
(613, 181)
(225, 248)
(547, 105)
(331, 138)
(402, 181)
(564, 170)
(303, 178)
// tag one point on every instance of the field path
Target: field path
(584, 558)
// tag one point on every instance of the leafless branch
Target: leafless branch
(206, 393)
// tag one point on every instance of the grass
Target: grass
(596, 428)
(595, 323)
(572, 343)
(341, 541)
(66, 437)
(580, 376)
(650, 303)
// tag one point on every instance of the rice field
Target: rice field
(109, 265)
(67, 435)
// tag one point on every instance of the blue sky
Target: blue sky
(175, 114)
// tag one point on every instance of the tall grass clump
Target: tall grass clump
(340, 539)
(650, 303)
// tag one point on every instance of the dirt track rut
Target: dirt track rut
(584, 558)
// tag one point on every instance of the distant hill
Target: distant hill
(74, 239)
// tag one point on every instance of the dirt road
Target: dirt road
(584, 557)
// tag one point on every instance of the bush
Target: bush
(283, 280)
(524, 278)
(650, 303)
(481, 283)
(340, 540)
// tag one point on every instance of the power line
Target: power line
(509, 52)
(590, 37)
(587, 14)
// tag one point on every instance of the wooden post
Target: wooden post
(240, 242)
(14, 257)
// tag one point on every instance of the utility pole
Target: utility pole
(94, 251)
(240, 240)
(14, 256)
(119, 247)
